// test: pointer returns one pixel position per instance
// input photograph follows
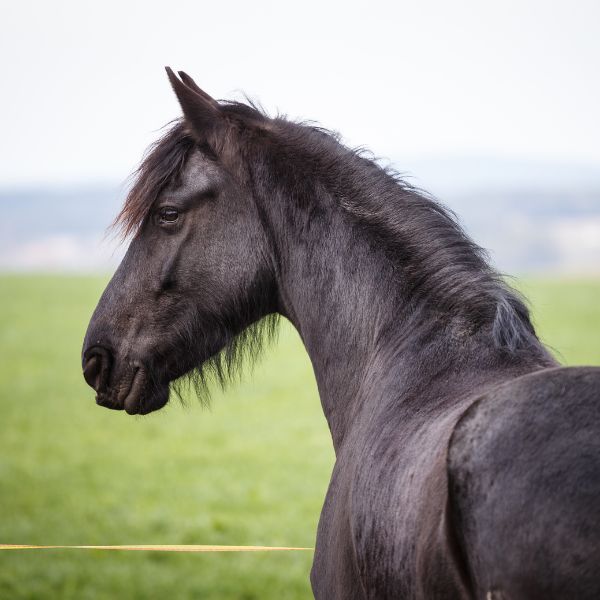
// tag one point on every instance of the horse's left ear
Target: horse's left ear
(201, 112)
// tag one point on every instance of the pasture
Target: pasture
(252, 469)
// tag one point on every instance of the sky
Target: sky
(84, 88)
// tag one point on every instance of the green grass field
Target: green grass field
(252, 470)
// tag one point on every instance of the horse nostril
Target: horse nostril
(91, 371)
(97, 368)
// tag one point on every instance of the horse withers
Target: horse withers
(467, 461)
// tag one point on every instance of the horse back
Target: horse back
(524, 487)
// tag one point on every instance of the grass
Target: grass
(252, 470)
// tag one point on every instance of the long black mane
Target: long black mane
(440, 264)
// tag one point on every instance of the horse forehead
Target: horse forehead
(200, 173)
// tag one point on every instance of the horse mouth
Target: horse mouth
(134, 395)
(131, 395)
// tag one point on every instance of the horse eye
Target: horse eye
(168, 214)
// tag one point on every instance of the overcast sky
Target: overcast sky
(84, 90)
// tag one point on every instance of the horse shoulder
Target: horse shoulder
(397, 505)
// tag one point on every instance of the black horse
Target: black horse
(467, 460)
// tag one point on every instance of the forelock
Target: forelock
(162, 166)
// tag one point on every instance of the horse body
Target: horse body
(493, 496)
(430, 374)
(388, 528)
(525, 483)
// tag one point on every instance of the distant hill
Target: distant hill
(62, 228)
(531, 216)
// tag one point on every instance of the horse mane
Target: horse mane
(441, 264)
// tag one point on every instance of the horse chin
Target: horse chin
(135, 395)
(147, 401)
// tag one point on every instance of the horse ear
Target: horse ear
(194, 86)
(201, 112)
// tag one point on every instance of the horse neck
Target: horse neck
(367, 336)
(342, 296)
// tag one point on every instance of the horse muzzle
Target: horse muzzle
(122, 385)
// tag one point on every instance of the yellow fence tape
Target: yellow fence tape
(157, 548)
